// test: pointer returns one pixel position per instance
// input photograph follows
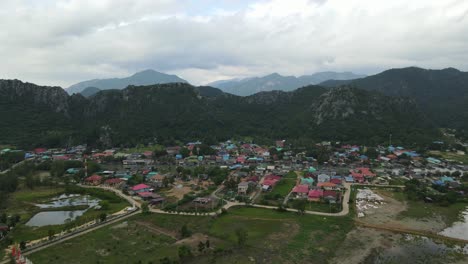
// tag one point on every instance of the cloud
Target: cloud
(62, 42)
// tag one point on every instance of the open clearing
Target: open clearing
(398, 212)
(273, 237)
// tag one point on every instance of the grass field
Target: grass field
(273, 237)
(420, 209)
(451, 156)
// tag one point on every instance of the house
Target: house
(113, 181)
(327, 185)
(323, 178)
(315, 194)
(331, 196)
(336, 181)
(242, 188)
(349, 179)
(201, 200)
(93, 180)
(307, 181)
(72, 171)
(141, 188)
(301, 190)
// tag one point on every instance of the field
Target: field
(400, 212)
(272, 237)
(451, 156)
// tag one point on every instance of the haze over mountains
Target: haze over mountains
(275, 81)
(146, 77)
(242, 87)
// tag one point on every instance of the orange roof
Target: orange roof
(326, 184)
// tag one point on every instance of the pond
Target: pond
(459, 229)
(416, 249)
(61, 217)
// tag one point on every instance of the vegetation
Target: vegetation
(264, 235)
(183, 112)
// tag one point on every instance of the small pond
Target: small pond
(416, 249)
(61, 217)
(459, 229)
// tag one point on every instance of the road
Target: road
(228, 205)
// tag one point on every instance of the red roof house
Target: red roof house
(140, 187)
(301, 190)
(114, 181)
(315, 195)
(94, 180)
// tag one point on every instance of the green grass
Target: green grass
(273, 237)
(283, 187)
(451, 156)
(421, 210)
(111, 244)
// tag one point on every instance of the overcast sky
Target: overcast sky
(61, 42)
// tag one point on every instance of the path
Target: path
(80, 233)
(157, 229)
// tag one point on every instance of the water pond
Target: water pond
(416, 249)
(62, 217)
(459, 229)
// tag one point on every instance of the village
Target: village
(196, 179)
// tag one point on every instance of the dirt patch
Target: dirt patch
(388, 216)
(102, 252)
(293, 229)
(157, 230)
(121, 225)
(196, 238)
(361, 243)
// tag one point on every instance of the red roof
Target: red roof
(330, 193)
(326, 184)
(315, 193)
(140, 187)
(335, 181)
(145, 194)
(270, 182)
(93, 178)
(303, 188)
(113, 181)
(40, 150)
(366, 172)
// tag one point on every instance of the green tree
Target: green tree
(104, 205)
(103, 217)
(185, 252)
(145, 208)
(242, 236)
(51, 233)
(300, 205)
(185, 152)
(185, 232)
(93, 167)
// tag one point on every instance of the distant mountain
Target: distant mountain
(441, 94)
(146, 77)
(90, 91)
(38, 115)
(275, 81)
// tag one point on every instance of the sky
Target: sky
(62, 42)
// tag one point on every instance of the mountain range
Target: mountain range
(48, 116)
(441, 94)
(275, 81)
(146, 77)
(409, 103)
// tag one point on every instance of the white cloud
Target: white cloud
(62, 42)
